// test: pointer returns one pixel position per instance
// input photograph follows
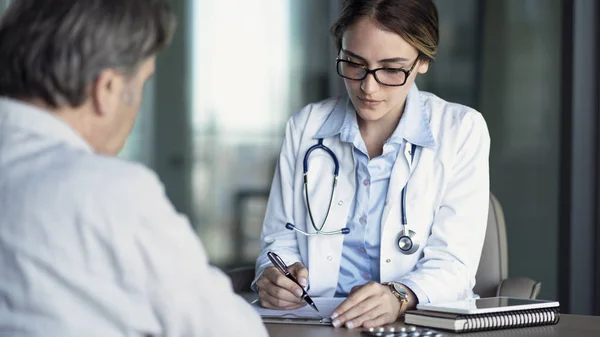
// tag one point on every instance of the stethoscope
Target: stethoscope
(407, 239)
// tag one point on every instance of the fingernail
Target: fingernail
(303, 282)
(336, 323)
(299, 292)
(349, 325)
(334, 315)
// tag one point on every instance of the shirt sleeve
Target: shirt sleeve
(102, 252)
(419, 293)
(190, 297)
(274, 236)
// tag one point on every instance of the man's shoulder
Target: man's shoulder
(112, 174)
(77, 177)
(113, 168)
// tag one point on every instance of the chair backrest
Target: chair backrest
(493, 266)
(241, 279)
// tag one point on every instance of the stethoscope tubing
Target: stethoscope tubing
(405, 234)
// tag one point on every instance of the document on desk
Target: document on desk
(304, 315)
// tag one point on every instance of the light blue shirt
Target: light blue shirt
(361, 251)
(91, 246)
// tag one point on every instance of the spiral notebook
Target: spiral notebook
(480, 314)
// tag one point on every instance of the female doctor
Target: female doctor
(380, 195)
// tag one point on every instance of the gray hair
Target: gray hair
(54, 49)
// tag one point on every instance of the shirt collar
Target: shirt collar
(337, 119)
(413, 127)
(25, 116)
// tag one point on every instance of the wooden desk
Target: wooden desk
(569, 325)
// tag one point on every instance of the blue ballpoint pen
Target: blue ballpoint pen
(279, 264)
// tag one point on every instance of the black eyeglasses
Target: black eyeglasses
(394, 77)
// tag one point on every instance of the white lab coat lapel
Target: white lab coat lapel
(322, 253)
(325, 250)
(398, 178)
(393, 263)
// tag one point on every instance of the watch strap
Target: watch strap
(402, 298)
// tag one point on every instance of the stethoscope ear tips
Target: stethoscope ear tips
(345, 230)
(290, 226)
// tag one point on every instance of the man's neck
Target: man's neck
(74, 117)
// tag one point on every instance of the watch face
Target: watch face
(400, 289)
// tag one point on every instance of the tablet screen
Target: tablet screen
(487, 305)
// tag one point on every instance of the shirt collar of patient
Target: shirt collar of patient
(413, 127)
(29, 117)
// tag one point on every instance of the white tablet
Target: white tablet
(487, 305)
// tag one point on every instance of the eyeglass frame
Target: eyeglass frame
(374, 71)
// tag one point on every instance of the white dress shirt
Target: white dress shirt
(91, 246)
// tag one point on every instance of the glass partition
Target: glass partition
(254, 64)
(498, 57)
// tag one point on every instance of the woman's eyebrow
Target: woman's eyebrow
(388, 60)
(353, 55)
(394, 59)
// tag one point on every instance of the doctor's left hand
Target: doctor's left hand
(368, 305)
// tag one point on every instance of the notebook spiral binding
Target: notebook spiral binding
(511, 319)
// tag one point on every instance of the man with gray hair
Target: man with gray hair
(89, 243)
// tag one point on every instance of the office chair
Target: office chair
(241, 279)
(492, 275)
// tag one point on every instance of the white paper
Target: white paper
(326, 306)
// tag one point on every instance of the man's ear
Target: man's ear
(105, 91)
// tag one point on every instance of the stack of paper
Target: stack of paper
(304, 315)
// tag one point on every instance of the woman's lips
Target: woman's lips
(369, 102)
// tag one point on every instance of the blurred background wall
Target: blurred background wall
(213, 119)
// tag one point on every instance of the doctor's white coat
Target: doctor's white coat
(447, 199)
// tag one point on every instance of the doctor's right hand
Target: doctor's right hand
(275, 291)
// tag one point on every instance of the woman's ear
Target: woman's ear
(423, 67)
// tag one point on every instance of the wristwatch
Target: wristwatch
(400, 292)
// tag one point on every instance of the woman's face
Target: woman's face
(367, 44)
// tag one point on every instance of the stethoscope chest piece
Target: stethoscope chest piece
(407, 241)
